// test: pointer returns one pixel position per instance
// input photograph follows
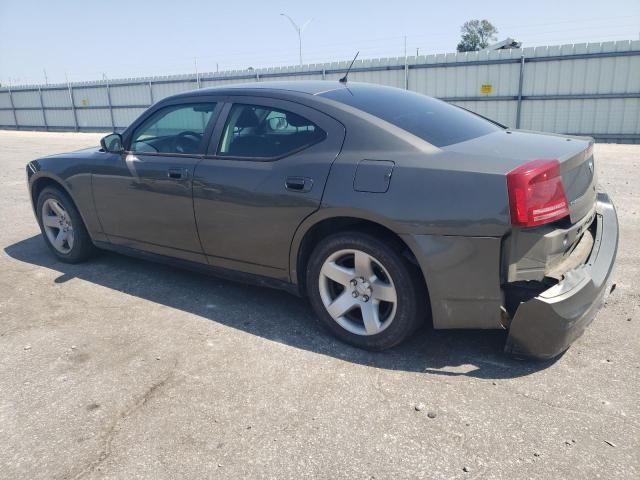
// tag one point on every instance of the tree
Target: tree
(476, 35)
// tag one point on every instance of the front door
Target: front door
(264, 174)
(144, 196)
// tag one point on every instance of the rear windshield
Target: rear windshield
(435, 121)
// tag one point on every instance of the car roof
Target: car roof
(311, 87)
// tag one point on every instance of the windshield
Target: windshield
(435, 121)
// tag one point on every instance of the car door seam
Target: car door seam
(324, 187)
(95, 208)
(193, 210)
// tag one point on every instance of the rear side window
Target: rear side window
(435, 121)
(263, 132)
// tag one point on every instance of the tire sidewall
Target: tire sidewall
(408, 311)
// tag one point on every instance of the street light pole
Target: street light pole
(299, 31)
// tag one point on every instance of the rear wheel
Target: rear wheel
(364, 290)
(62, 227)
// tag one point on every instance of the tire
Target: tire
(76, 245)
(331, 289)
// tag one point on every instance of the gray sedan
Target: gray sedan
(386, 208)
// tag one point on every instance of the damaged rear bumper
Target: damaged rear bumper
(546, 325)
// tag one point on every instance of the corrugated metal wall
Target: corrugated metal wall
(589, 89)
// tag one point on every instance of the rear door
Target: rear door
(264, 173)
(144, 196)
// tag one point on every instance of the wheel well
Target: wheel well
(39, 185)
(331, 226)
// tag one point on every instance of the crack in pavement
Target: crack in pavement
(624, 420)
(113, 428)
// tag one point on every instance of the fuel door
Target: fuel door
(373, 176)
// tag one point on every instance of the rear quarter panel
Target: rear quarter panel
(450, 213)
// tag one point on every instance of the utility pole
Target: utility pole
(46, 80)
(299, 31)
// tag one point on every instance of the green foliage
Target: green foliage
(476, 35)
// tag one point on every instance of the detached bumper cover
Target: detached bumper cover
(546, 325)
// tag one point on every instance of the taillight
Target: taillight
(536, 193)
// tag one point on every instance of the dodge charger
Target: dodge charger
(387, 209)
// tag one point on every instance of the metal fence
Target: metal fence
(587, 89)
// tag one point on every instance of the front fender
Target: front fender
(76, 184)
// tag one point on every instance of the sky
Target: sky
(90, 40)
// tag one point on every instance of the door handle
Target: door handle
(299, 184)
(177, 173)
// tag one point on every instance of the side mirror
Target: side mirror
(112, 143)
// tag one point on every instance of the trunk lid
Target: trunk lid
(505, 150)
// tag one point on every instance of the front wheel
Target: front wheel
(62, 227)
(364, 290)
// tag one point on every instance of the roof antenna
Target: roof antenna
(344, 79)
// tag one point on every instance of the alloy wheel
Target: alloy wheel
(57, 225)
(358, 292)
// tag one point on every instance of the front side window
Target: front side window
(264, 132)
(175, 129)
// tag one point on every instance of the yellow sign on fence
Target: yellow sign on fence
(486, 88)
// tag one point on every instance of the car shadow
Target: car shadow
(282, 317)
